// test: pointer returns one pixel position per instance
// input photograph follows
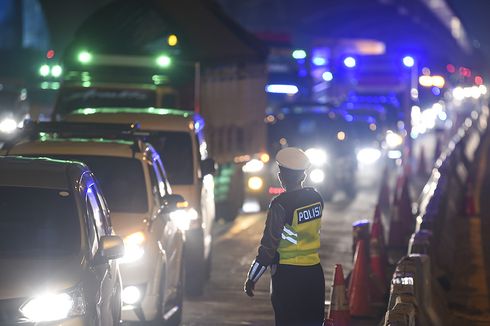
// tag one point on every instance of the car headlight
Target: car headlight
(255, 183)
(133, 247)
(183, 218)
(8, 125)
(131, 295)
(253, 166)
(54, 306)
(393, 140)
(368, 155)
(317, 157)
(317, 176)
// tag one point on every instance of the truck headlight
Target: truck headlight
(8, 125)
(54, 306)
(317, 157)
(133, 247)
(255, 183)
(317, 176)
(253, 166)
(368, 155)
(184, 217)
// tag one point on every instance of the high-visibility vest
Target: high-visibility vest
(300, 238)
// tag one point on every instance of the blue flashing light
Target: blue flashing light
(436, 91)
(299, 54)
(350, 62)
(319, 61)
(349, 118)
(408, 61)
(281, 89)
(327, 76)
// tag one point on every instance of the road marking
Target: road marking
(241, 225)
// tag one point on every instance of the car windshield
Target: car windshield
(312, 130)
(175, 149)
(122, 180)
(38, 222)
(71, 99)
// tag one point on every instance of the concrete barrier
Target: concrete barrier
(421, 280)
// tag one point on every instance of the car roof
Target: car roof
(147, 118)
(75, 146)
(39, 172)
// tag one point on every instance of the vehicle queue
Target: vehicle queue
(97, 202)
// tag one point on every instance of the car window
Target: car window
(175, 149)
(161, 169)
(38, 222)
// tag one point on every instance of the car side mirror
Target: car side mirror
(173, 202)
(208, 166)
(110, 247)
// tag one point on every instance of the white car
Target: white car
(57, 246)
(178, 137)
(134, 182)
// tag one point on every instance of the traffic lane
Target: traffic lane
(224, 302)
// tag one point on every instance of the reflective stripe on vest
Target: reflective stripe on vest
(300, 241)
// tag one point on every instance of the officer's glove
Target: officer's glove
(249, 287)
(255, 272)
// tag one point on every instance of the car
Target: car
(58, 250)
(144, 210)
(179, 138)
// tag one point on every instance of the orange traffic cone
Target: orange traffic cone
(470, 207)
(338, 313)
(402, 223)
(422, 168)
(378, 263)
(359, 298)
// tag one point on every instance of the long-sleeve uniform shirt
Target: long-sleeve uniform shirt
(292, 232)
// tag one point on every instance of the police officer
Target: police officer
(290, 245)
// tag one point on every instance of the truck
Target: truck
(229, 97)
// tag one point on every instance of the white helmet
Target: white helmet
(292, 158)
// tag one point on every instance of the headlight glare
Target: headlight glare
(255, 183)
(253, 166)
(317, 176)
(368, 155)
(184, 217)
(317, 157)
(131, 295)
(393, 140)
(54, 306)
(133, 247)
(8, 125)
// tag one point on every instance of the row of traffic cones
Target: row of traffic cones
(367, 283)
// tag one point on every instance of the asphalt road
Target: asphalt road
(224, 302)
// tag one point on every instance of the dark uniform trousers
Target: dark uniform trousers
(290, 286)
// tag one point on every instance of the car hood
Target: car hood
(127, 223)
(27, 277)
